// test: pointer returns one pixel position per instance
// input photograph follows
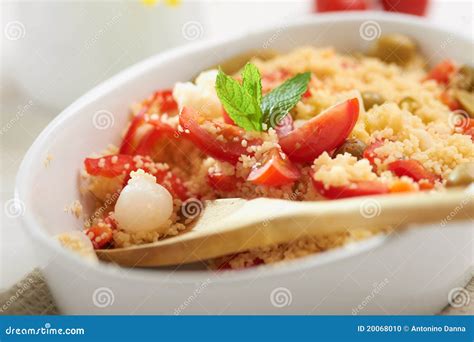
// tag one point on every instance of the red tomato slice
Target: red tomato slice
(369, 152)
(99, 236)
(361, 188)
(322, 133)
(228, 150)
(227, 118)
(149, 141)
(442, 72)
(109, 166)
(466, 126)
(110, 221)
(449, 100)
(340, 5)
(415, 7)
(127, 146)
(221, 182)
(274, 171)
(163, 100)
(413, 169)
(173, 184)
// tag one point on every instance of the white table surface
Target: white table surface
(16, 256)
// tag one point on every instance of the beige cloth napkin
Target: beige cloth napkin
(31, 296)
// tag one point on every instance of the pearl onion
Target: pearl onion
(143, 205)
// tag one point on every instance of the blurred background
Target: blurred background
(52, 52)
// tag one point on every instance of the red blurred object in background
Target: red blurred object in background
(341, 5)
(416, 7)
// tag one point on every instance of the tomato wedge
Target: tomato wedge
(466, 126)
(162, 101)
(415, 7)
(127, 146)
(274, 170)
(341, 5)
(109, 166)
(449, 100)
(159, 132)
(173, 184)
(322, 133)
(369, 152)
(360, 188)
(442, 71)
(229, 149)
(99, 236)
(221, 182)
(227, 118)
(165, 101)
(413, 169)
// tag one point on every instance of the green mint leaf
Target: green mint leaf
(241, 106)
(251, 81)
(277, 104)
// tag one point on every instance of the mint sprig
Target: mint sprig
(240, 102)
(246, 106)
(276, 104)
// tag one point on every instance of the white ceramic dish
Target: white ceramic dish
(408, 273)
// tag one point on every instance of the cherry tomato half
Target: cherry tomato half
(442, 71)
(413, 169)
(361, 188)
(322, 133)
(274, 170)
(228, 149)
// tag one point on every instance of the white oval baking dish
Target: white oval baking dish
(407, 273)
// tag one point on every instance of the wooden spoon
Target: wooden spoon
(229, 226)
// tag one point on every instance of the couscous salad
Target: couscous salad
(309, 125)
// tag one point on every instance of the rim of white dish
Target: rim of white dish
(186, 276)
